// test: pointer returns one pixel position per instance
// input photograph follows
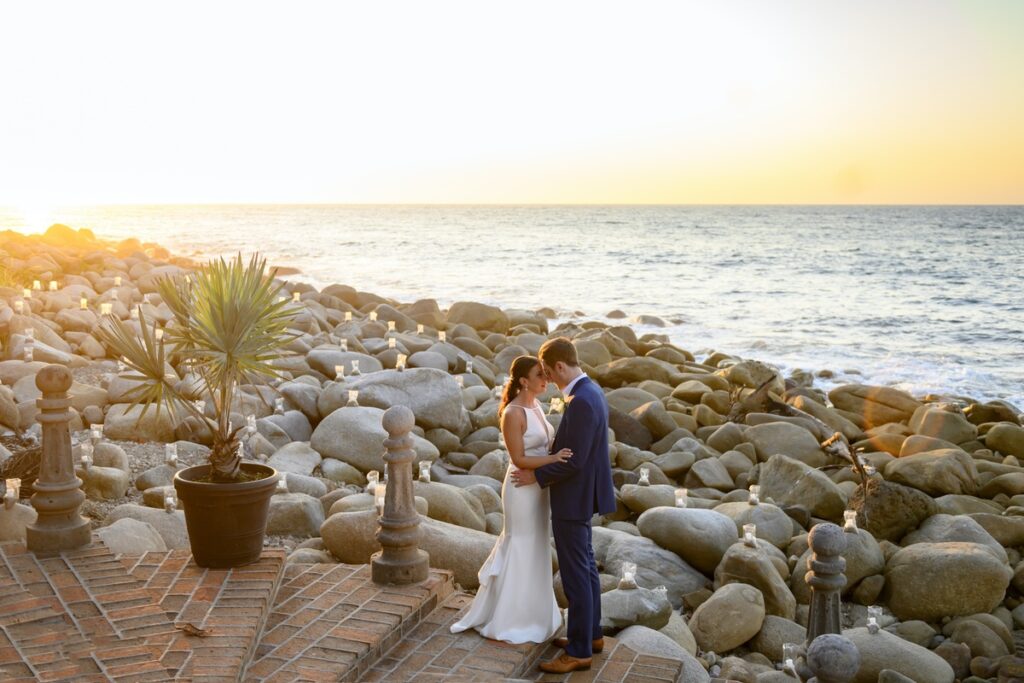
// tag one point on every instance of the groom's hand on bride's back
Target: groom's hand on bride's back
(524, 478)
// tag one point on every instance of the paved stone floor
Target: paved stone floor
(87, 615)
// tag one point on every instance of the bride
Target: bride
(516, 601)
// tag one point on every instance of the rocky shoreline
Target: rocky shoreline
(939, 515)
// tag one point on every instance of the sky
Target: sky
(745, 102)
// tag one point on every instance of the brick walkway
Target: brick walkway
(88, 616)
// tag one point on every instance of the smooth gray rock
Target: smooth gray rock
(131, 537)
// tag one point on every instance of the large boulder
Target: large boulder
(790, 482)
(729, 618)
(655, 565)
(940, 423)
(621, 608)
(773, 525)
(890, 510)
(883, 650)
(700, 537)
(649, 642)
(170, 526)
(129, 536)
(876, 405)
(125, 422)
(788, 439)
(752, 566)
(929, 581)
(297, 458)
(1006, 438)
(937, 473)
(631, 370)
(451, 504)
(954, 528)
(356, 436)
(295, 514)
(432, 395)
(479, 316)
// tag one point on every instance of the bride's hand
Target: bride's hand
(562, 455)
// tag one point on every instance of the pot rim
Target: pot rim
(212, 487)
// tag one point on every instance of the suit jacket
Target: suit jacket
(582, 485)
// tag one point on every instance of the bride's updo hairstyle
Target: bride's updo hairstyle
(521, 367)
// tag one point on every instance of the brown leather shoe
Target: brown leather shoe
(597, 646)
(563, 664)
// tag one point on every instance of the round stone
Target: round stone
(827, 539)
(833, 658)
(54, 379)
(398, 420)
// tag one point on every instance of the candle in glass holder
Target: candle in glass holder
(348, 316)
(391, 326)
(282, 483)
(96, 432)
(117, 280)
(106, 308)
(419, 328)
(373, 316)
(355, 368)
(344, 344)
(874, 614)
(30, 353)
(645, 476)
(279, 406)
(171, 454)
(401, 362)
(870, 470)
(26, 293)
(53, 286)
(372, 478)
(250, 424)
(296, 296)
(469, 366)
(681, 498)
(170, 502)
(628, 575)
(425, 470)
(754, 495)
(83, 304)
(37, 285)
(30, 332)
(339, 372)
(461, 381)
(353, 398)
(86, 461)
(750, 534)
(379, 497)
(442, 336)
(201, 407)
(134, 313)
(12, 491)
(392, 343)
(789, 654)
(159, 333)
(850, 521)
(19, 306)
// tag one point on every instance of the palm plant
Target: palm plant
(228, 327)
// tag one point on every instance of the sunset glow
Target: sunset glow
(736, 102)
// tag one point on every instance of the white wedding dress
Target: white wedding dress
(516, 601)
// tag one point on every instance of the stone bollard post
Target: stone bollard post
(400, 559)
(826, 579)
(58, 493)
(832, 659)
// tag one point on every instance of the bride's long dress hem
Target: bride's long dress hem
(516, 599)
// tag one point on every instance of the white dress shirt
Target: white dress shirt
(570, 385)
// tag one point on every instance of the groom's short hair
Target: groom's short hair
(558, 349)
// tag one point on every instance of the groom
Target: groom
(580, 487)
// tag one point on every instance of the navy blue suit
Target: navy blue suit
(580, 487)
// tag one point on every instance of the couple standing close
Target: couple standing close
(564, 481)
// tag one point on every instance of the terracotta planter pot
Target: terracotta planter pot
(226, 522)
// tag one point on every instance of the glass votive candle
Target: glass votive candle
(250, 424)
(348, 316)
(53, 286)
(279, 406)
(681, 498)
(339, 372)
(37, 285)
(296, 296)
(355, 368)
(353, 397)
(870, 470)
(628, 575)
(30, 353)
(86, 461)
(159, 333)
(26, 293)
(425, 470)
(754, 494)
(400, 363)
(392, 343)
(117, 280)
(750, 534)
(373, 316)
(282, 483)
(419, 328)
(372, 478)
(874, 614)
(380, 496)
(461, 381)
(201, 407)
(469, 366)
(13, 485)
(106, 308)
(134, 313)
(391, 326)
(344, 344)
(170, 502)
(645, 476)
(442, 336)
(10, 496)
(96, 432)
(171, 454)
(789, 654)
(30, 332)
(850, 521)
(19, 306)
(83, 303)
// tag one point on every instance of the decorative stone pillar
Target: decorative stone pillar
(58, 494)
(400, 559)
(832, 659)
(825, 577)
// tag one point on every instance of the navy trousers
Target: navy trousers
(581, 583)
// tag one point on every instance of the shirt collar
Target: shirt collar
(569, 387)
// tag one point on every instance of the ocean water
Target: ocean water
(927, 299)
